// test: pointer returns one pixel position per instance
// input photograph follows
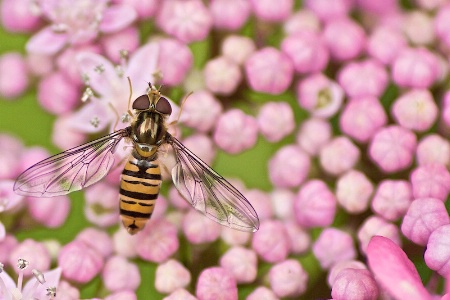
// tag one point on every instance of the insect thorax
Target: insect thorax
(148, 133)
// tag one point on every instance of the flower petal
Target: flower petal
(46, 42)
(394, 271)
(52, 278)
(142, 66)
(84, 119)
(8, 199)
(117, 17)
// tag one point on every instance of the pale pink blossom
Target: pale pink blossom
(171, 276)
(288, 278)
(342, 265)
(7, 244)
(229, 14)
(271, 241)
(299, 238)
(199, 229)
(392, 148)
(188, 21)
(13, 75)
(394, 271)
(119, 274)
(262, 292)
(314, 133)
(265, 10)
(40, 64)
(104, 196)
(11, 150)
(433, 149)
(269, 70)
(283, 203)
(415, 110)
(354, 191)
(289, 167)
(362, 117)
(315, 205)
(300, 20)
(122, 295)
(144, 9)
(392, 199)
(333, 245)
(202, 146)
(216, 283)
(354, 284)
(418, 28)
(261, 203)
(431, 180)
(327, 10)
(442, 25)
(64, 136)
(319, 95)
(235, 131)
(96, 239)
(180, 294)
(201, 111)
(56, 94)
(237, 48)
(124, 244)
(275, 120)
(51, 212)
(422, 218)
(437, 252)
(125, 40)
(175, 60)
(178, 201)
(222, 76)
(235, 237)
(67, 292)
(338, 155)
(35, 252)
(374, 225)
(384, 44)
(19, 16)
(242, 263)
(65, 65)
(8, 199)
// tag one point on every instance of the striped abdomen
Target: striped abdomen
(139, 188)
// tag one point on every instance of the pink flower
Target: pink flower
(125, 244)
(201, 111)
(299, 238)
(415, 68)
(174, 62)
(8, 199)
(13, 75)
(288, 278)
(40, 64)
(64, 63)
(327, 10)
(415, 110)
(64, 136)
(96, 239)
(362, 117)
(265, 10)
(269, 71)
(171, 276)
(418, 28)
(394, 271)
(307, 50)
(363, 78)
(235, 131)
(345, 39)
(392, 199)
(385, 43)
(79, 262)
(222, 76)
(353, 191)
(120, 275)
(11, 150)
(262, 292)
(73, 23)
(56, 94)
(180, 294)
(235, 47)
(354, 284)
(319, 95)
(437, 253)
(339, 155)
(392, 148)
(101, 204)
(19, 16)
(125, 40)
(188, 21)
(52, 212)
(35, 252)
(431, 181)
(261, 203)
(235, 237)
(343, 265)
(7, 244)
(122, 295)
(202, 146)
(289, 167)
(332, 246)
(283, 203)
(199, 229)
(276, 120)
(423, 217)
(229, 14)
(300, 20)
(242, 263)
(442, 25)
(433, 149)
(315, 205)
(66, 291)
(216, 283)
(314, 133)
(271, 241)
(374, 225)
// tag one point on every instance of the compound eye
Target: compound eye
(141, 103)
(163, 106)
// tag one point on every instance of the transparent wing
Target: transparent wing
(210, 193)
(70, 170)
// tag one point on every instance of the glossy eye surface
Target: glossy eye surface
(141, 103)
(163, 106)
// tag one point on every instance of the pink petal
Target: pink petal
(117, 17)
(142, 65)
(9, 282)
(8, 199)
(82, 119)
(51, 280)
(394, 271)
(46, 42)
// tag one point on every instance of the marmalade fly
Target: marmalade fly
(82, 166)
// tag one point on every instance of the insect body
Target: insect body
(79, 167)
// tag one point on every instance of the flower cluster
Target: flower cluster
(336, 112)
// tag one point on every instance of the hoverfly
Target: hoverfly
(82, 166)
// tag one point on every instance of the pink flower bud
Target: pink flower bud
(124, 243)
(353, 191)
(283, 203)
(235, 237)
(307, 50)
(262, 292)
(79, 262)
(392, 199)
(222, 76)
(300, 20)
(265, 10)
(415, 110)
(374, 225)
(30, 156)
(51, 212)
(385, 43)
(261, 203)
(332, 246)
(41, 64)
(362, 117)
(289, 167)
(433, 149)
(66, 291)
(431, 181)
(269, 71)
(230, 15)
(120, 274)
(354, 284)
(175, 60)
(8, 199)
(180, 294)
(177, 200)
(342, 265)
(201, 111)
(437, 255)
(144, 9)
(124, 40)
(418, 27)
(202, 146)
(237, 48)
(271, 241)
(105, 196)
(315, 205)
(235, 131)
(276, 120)
(216, 283)
(314, 133)
(424, 215)
(442, 25)
(11, 150)
(288, 278)
(242, 263)
(199, 229)
(13, 75)
(97, 240)
(7, 245)
(34, 252)
(327, 10)
(345, 39)
(339, 155)
(392, 148)
(170, 276)
(18, 16)
(56, 94)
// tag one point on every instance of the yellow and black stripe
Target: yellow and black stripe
(139, 188)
